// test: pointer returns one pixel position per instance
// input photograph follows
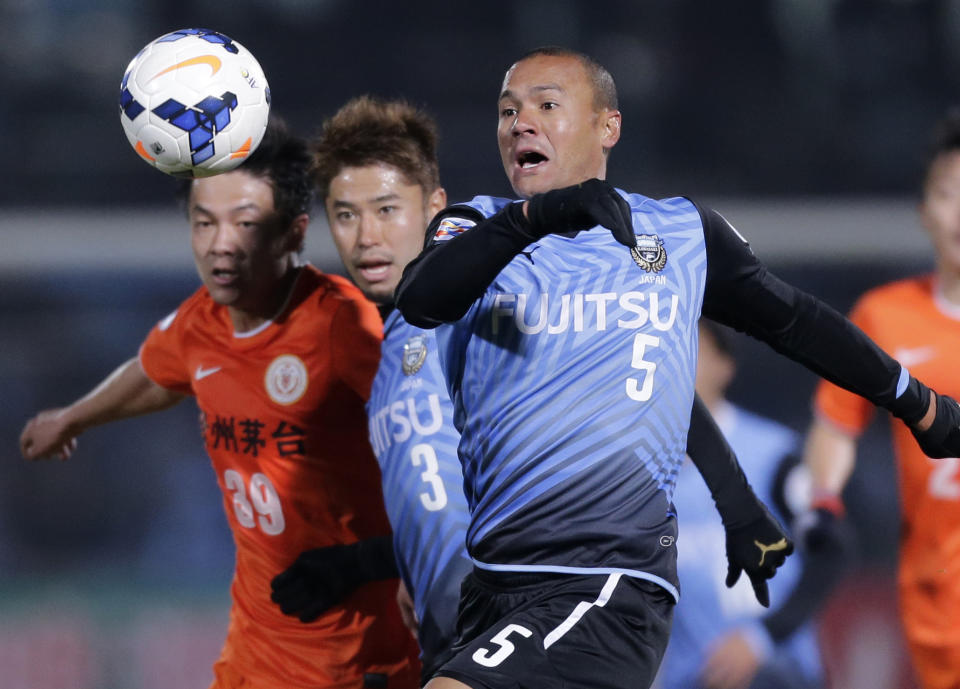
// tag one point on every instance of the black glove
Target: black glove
(581, 207)
(758, 548)
(322, 577)
(821, 529)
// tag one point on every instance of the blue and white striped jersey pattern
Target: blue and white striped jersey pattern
(572, 382)
(412, 433)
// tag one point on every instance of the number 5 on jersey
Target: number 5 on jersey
(260, 506)
(640, 391)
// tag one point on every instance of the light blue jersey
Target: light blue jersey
(572, 382)
(412, 433)
(708, 608)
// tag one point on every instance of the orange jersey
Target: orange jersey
(285, 426)
(908, 321)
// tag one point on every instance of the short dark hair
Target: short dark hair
(604, 88)
(946, 139)
(366, 131)
(284, 160)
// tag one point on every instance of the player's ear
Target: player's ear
(297, 234)
(611, 120)
(436, 202)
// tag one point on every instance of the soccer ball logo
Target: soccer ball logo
(194, 103)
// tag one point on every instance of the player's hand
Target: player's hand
(821, 529)
(731, 663)
(582, 207)
(408, 612)
(48, 434)
(942, 437)
(758, 548)
(323, 577)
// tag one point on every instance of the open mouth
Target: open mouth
(373, 271)
(530, 159)
(224, 276)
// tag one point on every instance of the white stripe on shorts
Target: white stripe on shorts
(605, 593)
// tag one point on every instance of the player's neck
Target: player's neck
(247, 320)
(948, 285)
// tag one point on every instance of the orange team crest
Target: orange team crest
(286, 379)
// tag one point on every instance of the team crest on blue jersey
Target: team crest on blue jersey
(649, 253)
(451, 227)
(414, 354)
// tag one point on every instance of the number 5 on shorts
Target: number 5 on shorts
(482, 656)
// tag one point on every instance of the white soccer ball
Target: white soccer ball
(194, 103)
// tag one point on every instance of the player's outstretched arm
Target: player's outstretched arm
(441, 284)
(743, 294)
(125, 392)
(322, 577)
(756, 542)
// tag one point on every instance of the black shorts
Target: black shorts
(526, 631)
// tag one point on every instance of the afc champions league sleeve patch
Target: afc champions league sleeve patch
(286, 379)
(451, 227)
(414, 354)
(649, 253)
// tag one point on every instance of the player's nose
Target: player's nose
(369, 232)
(224, 239)
(524, 122)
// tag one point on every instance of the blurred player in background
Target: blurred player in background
(918, 319)
(721, 638)
(568, 342)
(280, 358)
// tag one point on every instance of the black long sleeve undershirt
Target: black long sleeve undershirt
(447, 277)
(440, 285)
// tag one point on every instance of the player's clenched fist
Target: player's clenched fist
(581, 207)
(47, 435)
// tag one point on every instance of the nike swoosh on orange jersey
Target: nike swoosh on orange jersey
(210, 60)
(204, 372)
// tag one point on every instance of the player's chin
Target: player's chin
(527, 184)
(380, 293)
(225, 295)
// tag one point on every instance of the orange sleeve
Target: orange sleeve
(356, 334)
(161, 355)
(846, 409)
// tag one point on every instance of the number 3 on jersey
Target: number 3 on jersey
(260, 506)
(436, 498)
(637, 390)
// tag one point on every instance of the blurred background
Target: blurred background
(805, 122)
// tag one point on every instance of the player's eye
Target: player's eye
(548, 105)
(508, 112)
(387, 210)
(344, 216)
